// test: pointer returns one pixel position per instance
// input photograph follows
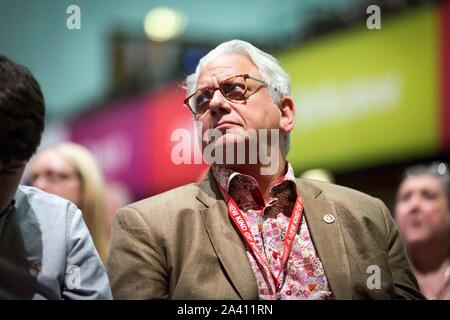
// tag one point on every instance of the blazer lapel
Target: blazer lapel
(327, 238)
(226, 241)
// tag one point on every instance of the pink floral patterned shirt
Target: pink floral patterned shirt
(303, 276)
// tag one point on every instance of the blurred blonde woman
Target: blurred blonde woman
(70, 171)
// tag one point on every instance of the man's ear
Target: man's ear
(287, 120)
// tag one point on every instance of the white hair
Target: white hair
(277, 79)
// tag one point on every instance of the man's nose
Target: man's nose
(219, 102)
(414, 204)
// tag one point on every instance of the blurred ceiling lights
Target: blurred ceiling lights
(164, 24)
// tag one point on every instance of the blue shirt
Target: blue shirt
(46, 251)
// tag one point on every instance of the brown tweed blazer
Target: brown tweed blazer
(181, 244)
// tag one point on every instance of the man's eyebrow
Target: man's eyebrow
(204, 85)
(203, 88)
(208, 84)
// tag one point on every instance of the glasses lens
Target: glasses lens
(234, 88)
(200, 101)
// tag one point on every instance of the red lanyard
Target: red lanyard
(294, 222)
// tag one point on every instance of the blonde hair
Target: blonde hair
(92, 192)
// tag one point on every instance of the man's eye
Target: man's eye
(202, 98)
(234, 90)
(429, 195)
(233, 87)
(202, 102)
(404, 197)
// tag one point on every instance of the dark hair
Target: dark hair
(438, 170)
(22, 112)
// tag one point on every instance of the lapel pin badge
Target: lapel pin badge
(328, 218)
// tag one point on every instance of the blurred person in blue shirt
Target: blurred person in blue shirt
(46, 251)
(70, 171)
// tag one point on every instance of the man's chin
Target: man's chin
(224, 138)
(417, 237)
(227, 149)
(230, 139)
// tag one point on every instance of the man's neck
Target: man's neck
(434, 283)
(265, 181)
(428, 257)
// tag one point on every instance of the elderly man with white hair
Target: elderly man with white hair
(250, 229)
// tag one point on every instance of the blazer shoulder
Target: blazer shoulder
(353, 207)
(177, 198)
(48, 208)
(337, 193)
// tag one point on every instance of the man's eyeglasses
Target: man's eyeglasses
(233, 89)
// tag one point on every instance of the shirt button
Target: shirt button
(328, 218)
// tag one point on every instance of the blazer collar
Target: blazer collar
(327, 238)
(226, 241)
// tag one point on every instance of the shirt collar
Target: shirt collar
(226, 177)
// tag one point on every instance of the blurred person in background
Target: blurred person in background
(45, 248)
(423, 215)
(117, 196)
(69, 170)
(249, 233)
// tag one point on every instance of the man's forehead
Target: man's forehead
(226, 66)
(218, 72)
(421, 181)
